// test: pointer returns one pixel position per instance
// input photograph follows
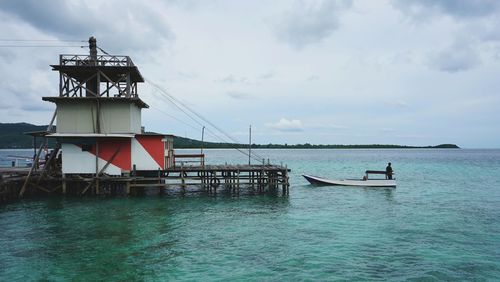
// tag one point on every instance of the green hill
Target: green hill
(12, 136)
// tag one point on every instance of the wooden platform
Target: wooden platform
(209, 178)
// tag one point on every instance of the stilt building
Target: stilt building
(102, 147)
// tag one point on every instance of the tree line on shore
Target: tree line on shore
(12, 136)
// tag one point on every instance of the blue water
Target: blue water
(16, 157)
(442, 222)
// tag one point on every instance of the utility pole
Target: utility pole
(202, 134)
(250, 145)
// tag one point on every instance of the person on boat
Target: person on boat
(388, 171)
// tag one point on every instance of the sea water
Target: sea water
(442, 222)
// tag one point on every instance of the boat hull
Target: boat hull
(351, 182)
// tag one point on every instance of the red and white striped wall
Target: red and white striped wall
(146, 152)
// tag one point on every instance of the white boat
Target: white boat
(365, 182)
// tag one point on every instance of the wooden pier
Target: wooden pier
(208, 178)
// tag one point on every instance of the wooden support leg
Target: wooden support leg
(183, 182)
(97, 190)
(87, 188)
(238, 183)
(64, 184)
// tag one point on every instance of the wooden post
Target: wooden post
(202, 135)
(97, 164)
(97, 184)
(250, 145)
(183, 181)
(262, 176)
(64, 183)
(160, 191)
(37, 156)
(238, 183)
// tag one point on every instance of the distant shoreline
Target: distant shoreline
(285, 148)
(275, 146)
(197, 145)
(186, 143)
(12, 137)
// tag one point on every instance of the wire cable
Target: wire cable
(41, 46)
(190, 112)
(40, 40)
(103, 51)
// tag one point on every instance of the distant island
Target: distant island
(12, 137)
(180, 142)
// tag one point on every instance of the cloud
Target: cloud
(239, 95)
(328, 126)
(7, 56)
(309, 22)
(27, 96)
(387, 130)
(254, 80)
(267, 75)
(187, 75)
(484, 30)
(420, 9)
(476, 23)
(286, 125)
(454, 59)
(398, 104)
(232, 79)
(312, 78)
(117, 25)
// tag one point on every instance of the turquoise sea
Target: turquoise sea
(442, 222)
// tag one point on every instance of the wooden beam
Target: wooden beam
(37, 157)
(39, 187)
(87, 188)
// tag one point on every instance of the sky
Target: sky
(404, 72)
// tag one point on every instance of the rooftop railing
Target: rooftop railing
(101, 60)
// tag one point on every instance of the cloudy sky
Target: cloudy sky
(324, 72)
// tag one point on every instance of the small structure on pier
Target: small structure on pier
(102, 146)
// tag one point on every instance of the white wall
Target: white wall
(79, 116)
(75, 117)
(141, 158)
(135, 119)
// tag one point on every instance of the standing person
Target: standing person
(388, 171)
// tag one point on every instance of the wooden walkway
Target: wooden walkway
(209, 178)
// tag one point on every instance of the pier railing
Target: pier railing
(189, 159)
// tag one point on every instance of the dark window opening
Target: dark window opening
(86, 147)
